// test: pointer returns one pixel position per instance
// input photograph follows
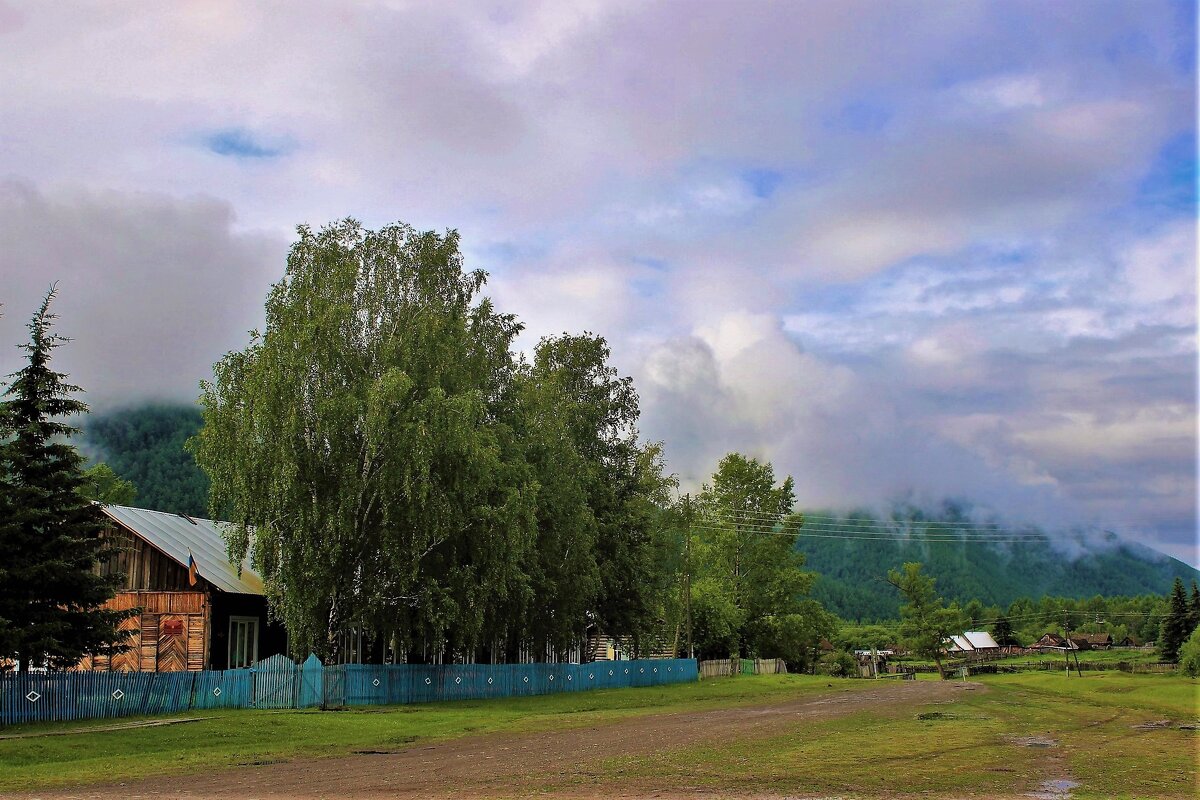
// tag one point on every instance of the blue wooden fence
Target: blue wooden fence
(278, 682)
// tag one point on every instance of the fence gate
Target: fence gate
(275, 683)
(312, 683)
(335, 686)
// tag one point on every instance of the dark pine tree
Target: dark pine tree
(1194, 609)
(1175, 626)
(1002, 631)
(50, 535)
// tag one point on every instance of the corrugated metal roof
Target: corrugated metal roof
(980, 640)
(971, 640)
(176, 536)
(958, 643)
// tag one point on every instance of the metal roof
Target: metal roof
(972, 640)
(177, 535)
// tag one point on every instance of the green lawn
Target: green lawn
(971, 744)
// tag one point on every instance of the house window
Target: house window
(243, 641)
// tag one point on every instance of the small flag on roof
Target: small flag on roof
(193, 574)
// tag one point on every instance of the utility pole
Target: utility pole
(687, 570)
(1067, 645)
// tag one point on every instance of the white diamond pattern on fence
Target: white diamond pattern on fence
(118, 695)
(33, 697)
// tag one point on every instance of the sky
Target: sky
(902, 250)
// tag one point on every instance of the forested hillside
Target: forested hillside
(145, 445)
(851, 570)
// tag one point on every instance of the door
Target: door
(172, 643)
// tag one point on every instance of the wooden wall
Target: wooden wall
(170, 634)
(145, 568)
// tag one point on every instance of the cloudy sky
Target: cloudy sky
(900, 249)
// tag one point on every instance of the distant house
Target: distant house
(1099, 641)
(973, 644)
(1048, 640)
(1079, 642)
(1129, 641)
(214, 619)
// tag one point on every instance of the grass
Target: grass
(238, 737)
(970, 745)
(976, 744)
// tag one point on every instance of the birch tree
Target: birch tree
(746, 553)
(360, 446)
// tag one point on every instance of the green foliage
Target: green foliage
(796, 637)
(925, 622)
(360, 442)
(1177, 625)
(862, 637)
(601, 551)
(1194, 607)
(841, 664)
(1002, 632)
(1189, 655)
(390, 464)
(50, 535)
(145, 446)
(102, 485)
(748, 565)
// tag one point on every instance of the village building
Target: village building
(1099, 641)
(973, 644)
(1048, 640)
(197, 611)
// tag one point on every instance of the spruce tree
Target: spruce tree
(1175, 628)
(1194, 609)
(50, 535)
(1002, 632)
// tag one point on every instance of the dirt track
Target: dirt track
(506, 765)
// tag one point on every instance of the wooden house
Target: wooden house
(1050, 640)
(1099, 641)
(212, 616)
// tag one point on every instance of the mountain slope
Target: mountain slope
(145, 445)
(1066, 564)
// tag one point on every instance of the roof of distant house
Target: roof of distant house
(177, 535)
(972, 640)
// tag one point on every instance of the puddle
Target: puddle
(1155, 725)
(1059, 789)
(1034, 741)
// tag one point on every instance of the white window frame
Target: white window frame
(252, 643)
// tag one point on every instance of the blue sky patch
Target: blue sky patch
(762, 182)
(241, 143)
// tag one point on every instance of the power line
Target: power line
(964, 525)
(801, 533)
(791, 529)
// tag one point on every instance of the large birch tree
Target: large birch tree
(360, 446)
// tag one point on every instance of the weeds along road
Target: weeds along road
(568, 762)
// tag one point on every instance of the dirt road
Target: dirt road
(507, 765)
